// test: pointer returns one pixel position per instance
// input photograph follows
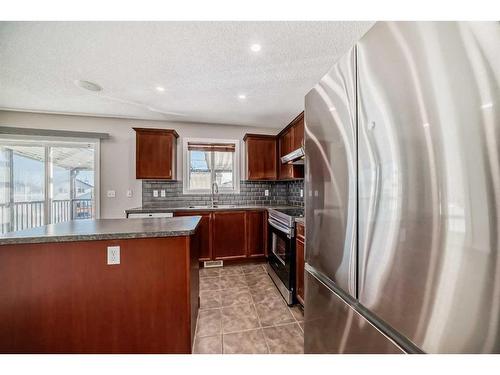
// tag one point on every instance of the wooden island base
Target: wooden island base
(64, 298)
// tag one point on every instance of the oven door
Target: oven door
(282, 251)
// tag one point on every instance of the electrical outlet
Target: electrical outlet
(301, 193)
(266, 193)
(113, 254)
(162, 193)
(155, 193)
(111, 193)
(130, 193)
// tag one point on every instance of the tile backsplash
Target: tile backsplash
(295, 198)
(251, 193)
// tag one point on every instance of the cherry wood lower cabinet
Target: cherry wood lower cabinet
(231, 235)
(229, 240)
(64, 298)
(300, 262)
(205, 232)
(256, 228)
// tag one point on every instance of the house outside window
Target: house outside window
(208, 161)
(44, 181)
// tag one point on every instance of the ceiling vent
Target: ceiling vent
(87, 85)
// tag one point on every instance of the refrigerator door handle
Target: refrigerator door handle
(367, 129)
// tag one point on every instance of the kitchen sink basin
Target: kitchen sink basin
(214, 206)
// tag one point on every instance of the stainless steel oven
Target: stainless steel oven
(281, 260)
(281, 238)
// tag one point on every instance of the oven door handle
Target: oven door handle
(281, 228)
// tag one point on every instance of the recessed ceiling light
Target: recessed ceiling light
(160, 88)
(255, 47)
(87, 85)
(242, 96)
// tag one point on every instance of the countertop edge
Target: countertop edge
(300, 220)
(99, 236)
(93, 237)
(139, 210)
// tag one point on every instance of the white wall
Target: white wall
(118, 152)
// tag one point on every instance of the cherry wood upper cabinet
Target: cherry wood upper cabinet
(155, 153)
(261, 156)
(229, 240)
(290, 139)
(298, 132)
(285, 147)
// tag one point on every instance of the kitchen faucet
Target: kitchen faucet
(215, 190)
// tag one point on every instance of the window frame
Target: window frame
(56, 141)
(186, 161)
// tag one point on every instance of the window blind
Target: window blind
(206, 147)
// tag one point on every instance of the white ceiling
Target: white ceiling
(203, 67)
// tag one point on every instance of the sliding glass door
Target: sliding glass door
(43, 182)
(72, 183)
(23, 187)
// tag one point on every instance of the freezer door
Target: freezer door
(330, 181)
(332, 326)
(429, 182)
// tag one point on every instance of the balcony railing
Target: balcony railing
(24, 215)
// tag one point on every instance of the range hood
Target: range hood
(295, 157)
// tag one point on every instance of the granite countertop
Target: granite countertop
(104, 229)
(141, 210)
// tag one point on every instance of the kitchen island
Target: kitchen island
(61, 293)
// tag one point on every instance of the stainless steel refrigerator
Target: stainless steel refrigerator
(402, 189)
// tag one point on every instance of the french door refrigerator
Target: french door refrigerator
(402, 143)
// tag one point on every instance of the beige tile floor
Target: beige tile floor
(242, 312)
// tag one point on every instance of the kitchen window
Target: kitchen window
(211, 161)
(44, 181)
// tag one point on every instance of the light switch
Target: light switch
(130, 193)
(155, 193)
(266, 193)
(301, 193)
(113, 254)
(111, 193)
(162, 193)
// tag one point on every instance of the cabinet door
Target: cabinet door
(261, 158)
(256, 233)
(155, 153)
(285, 147)
(299, 274)
(298, 134)
(229, 235)
(205, 233)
